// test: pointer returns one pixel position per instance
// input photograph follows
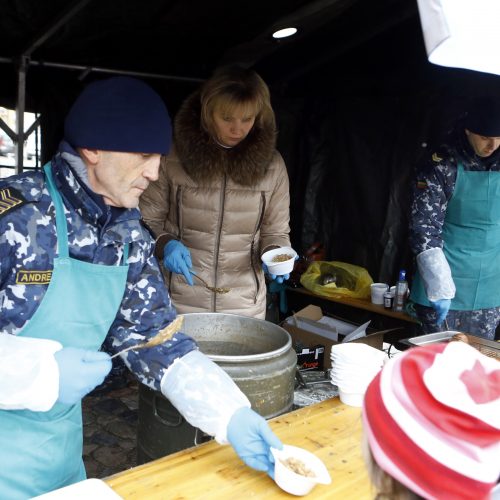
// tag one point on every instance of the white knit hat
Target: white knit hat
(432, 418)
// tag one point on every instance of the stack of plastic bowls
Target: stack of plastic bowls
(354, 366)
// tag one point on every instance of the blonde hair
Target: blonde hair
(387, 487)
(233, 88)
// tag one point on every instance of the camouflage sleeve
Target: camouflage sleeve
(23, 239)
(433, 187)
(145, 309)
(5, 261)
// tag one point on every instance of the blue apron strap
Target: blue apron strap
(61, 225)
(125, 254)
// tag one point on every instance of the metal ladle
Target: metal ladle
(162, 336)
(211, 288)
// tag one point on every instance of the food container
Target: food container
(256, 354)
(351, 398)
(293, 482)
(432, 338)
(377, 291)
(88, 488)
(489, 348)
(281, 267)
(388, 300)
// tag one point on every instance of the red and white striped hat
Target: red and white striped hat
(432, 419)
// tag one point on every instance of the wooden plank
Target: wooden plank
(329, 429)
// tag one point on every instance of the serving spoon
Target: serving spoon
(211, 288)
(162, 336)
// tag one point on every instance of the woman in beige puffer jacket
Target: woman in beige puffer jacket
(223, 193)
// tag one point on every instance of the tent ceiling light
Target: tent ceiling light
(283, 33)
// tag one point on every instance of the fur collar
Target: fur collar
(204, 160)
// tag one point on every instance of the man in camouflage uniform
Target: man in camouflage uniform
(455, 228)
(77, 269)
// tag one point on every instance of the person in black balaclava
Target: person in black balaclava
(455, 227)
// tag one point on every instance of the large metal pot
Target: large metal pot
(256, 354)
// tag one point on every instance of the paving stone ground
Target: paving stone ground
(109, 427)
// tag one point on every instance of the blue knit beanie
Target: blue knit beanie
(119, 114)
(483, 117)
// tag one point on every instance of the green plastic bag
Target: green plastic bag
(349, 280)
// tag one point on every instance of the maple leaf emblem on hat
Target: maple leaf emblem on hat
(483, 387)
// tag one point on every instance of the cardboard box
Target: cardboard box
(310, 328)
(311, 359)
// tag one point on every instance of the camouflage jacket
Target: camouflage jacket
(96, 234)
(435, 184)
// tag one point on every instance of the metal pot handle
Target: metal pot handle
(200, 437)
(168, 423)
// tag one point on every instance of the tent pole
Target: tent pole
(20, 107)
(71, 12)
(24, 62)
(95, 69)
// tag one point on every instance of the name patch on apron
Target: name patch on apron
(24, 277)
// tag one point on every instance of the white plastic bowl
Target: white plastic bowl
(279, 268)
(351, 398)
(356, 366)
(357, 371)
(353, 381)
(356, 351)
(295, 483)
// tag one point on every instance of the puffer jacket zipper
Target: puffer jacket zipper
(178, 206)
(222, 204)
(252, 249)
(178, 197)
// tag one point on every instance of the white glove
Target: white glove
(204, 393)
(436, 274)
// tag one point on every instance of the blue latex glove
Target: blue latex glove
(177, 259)
(80, 371)
(274, 277)
(441, 307)
(252, 439)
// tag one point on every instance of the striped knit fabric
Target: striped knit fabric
(432, 418)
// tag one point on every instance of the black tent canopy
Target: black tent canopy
(357, 102)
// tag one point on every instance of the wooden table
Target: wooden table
(364, 304)
(329, 429)
(398, 325)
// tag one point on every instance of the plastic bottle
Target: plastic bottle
(401, 292)
(388, 300)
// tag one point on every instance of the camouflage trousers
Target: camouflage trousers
(482, 322)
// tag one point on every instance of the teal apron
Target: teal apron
(471, 235)
(43, 450)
